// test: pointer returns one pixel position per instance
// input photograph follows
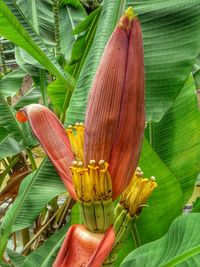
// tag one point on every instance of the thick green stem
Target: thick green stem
(136, 236)
(31, 158)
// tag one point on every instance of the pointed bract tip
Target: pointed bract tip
(129, 13)
(21, 116)
(126, 19)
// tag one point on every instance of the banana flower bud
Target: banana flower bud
(115, 117)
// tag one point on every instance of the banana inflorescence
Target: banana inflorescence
(92, 183)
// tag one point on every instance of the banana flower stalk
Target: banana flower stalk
(97, 160)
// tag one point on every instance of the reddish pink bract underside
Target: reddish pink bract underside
(52, 136)
(81, 248)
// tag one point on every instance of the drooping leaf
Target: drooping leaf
(176, 141)
(11, 83)
(59, 94)
(176, 138)
(179, 247)
(16, 259)
(8, 145)
(28, 68)
(70, 17)
(8, 121)
(35, 192)
(86, 23)
(86, 30)
(45, 255)
(32, 96)
(171, 44)
(40, 14)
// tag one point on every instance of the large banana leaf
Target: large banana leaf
(176, 138)
(57, 90)
(8, 121)
(11, 83)
(32, 96)
(166, 201)
(171, 32)
(16, 259)
(40, 14)
(8, 145)
(179, 247)
(35, 192)
(15, 27)
(69, 18)
(21, 133)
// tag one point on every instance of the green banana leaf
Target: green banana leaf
(70, 17)
(57, 90)
(8, 145)
(21, 133)
(11, 83)
(40, 14)
(166, 202)
(196, 205)
(15, 27)
(74, 3)
(179, 247)
(45, 255)
(171, 43)
(33, 68)
(176, 138)
(16, 259)
(85, 32)
(59, 94)
(36, 190)
(30, 97)
(8, 121)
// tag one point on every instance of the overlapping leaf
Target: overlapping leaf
(15, 27)
(176, 138)
(45, 255)
(35, 192)
(179, 247)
